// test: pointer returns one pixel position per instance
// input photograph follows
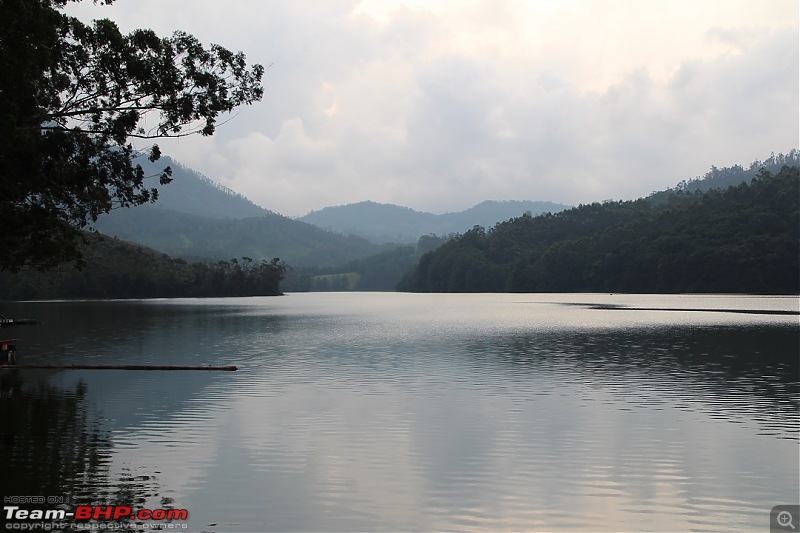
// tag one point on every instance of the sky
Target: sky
(440, 104)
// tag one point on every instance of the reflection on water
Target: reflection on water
(53, 444)
(741, 374)
(417, 412)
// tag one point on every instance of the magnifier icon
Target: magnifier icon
(785, 519)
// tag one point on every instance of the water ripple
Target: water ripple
(460, 412)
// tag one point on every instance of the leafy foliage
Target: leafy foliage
(71, 96)
(744, 239)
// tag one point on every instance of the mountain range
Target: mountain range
(196, 218)
(384, 223)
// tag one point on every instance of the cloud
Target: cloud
(439, 105)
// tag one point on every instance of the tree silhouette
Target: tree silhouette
(71, 97)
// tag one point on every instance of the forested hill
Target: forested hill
(745, 239)
(196, 218)
(262, 237)
(117, 269)
(722, 178)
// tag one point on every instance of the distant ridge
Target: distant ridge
(196, 218)
(193, 193)
(382, 223)
(263, 237)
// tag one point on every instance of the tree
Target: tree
(71, 97)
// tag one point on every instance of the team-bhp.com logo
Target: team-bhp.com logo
(83, 516)
(122, 512)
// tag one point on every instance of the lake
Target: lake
(384, 411)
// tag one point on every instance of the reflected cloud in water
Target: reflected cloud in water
(486, 412)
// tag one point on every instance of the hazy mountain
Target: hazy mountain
(383, 223)
(196, 218)
(264, 237)
(490, 212)
(193, 193)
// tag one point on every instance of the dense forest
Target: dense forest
(116, 269)
(745, 239)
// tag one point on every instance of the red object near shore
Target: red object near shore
(8, 351)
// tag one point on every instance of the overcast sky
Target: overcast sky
(438, 105)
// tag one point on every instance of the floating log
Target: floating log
(229, 368)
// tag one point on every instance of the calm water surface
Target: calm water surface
(378, 411)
